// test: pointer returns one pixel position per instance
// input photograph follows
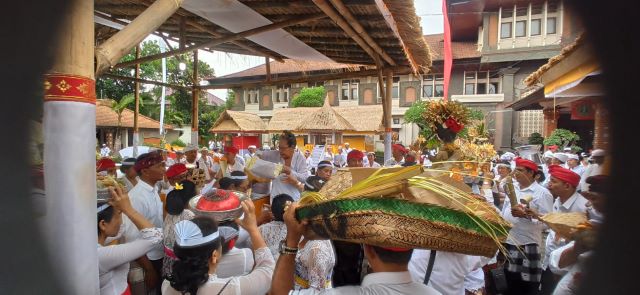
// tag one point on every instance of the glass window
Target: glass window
(439, 91)
(536, 9)
(551, 25)
(521, 11)
(535, 27)
(493, 88)
(395, 92)
(396, 120)
(468, 89)
(277, 96)
(552, 6)
(286, 96)
(427, 91)
(521, 28)
(345, 93)
(481, 88)
(507, 13)
(354, 93)
(505, 30)
(427, 78)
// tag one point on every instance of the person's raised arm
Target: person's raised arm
(283, 278)
(120, 200)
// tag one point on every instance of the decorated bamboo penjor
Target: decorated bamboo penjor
(402, 207)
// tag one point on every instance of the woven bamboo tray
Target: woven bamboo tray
(564, 224)
(394, 222)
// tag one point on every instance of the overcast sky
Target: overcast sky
(430, 12)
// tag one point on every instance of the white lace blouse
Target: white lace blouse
(113, 261)
(257, 282)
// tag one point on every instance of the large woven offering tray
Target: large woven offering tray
(403, 209)
(565, 224)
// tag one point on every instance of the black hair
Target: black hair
(445, 134)
(395, 257)
(106, 215)
(539, 174)
(277, 206)
(289, 138)
(237, 182)
(225, 183)
(191, 270)
(313, 183)
(124, 167)
(177, 200)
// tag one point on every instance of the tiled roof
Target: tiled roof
(212, 99)
(106, 117)
(460, 50)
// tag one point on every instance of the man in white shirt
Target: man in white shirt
(347, 148)
(146, 200)
(559, 159)
(294, 170)
(397, 151)
(448, 272)
(523, 269)
(562, 185)
(252, 153)
(193, 159)
(573, 163)
(595, 168)
(105, 151)
(371, 157)
(390, 268)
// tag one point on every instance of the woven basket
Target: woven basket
(395, 222)
(564, 224)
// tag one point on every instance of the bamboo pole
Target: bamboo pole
(136, 96)
(144, 81)
(303, 78)
(244, 34)
(386, 118)
(69, 130)
(346, 13)
(194, 101)
(268, 64)
(329, 11)
(110, 52)
(182, 38)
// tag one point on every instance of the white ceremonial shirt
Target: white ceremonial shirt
(379, 283)
(375, 165)
(576, 203)
(237, 262)
(113, 261)
(568, 285)
(578, 169)
(524, 230)
(592, 169)
(449, 269)
(298, 169)
(145, 199)
(392, 162)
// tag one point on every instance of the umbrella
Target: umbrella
(128, 151)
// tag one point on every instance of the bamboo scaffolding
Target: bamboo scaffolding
(110, 52)
(144, 81)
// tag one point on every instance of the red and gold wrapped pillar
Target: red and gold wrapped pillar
(69, 224)
(601, 127)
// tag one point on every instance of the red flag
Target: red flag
(448, 57)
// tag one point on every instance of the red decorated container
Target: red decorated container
(221, 205)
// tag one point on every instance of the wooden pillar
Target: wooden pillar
(268, 64)
(69, 224)
(136, 95)
(194, 101)
(551, 116)
(386, 110)
(601, 127)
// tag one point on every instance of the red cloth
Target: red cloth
(399, 147)
(355, 154)
(147, 160)
(565, 175)
(231, 149)
(520, 162)
(105, 164)
(175, 170)
(396, 249)
(553, 148)
(453, 125)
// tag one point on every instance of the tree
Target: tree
(231, 99)
(536, 138)
(562, 138)
(119, 107)
(309, 97)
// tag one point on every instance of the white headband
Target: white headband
(188, 234)
(324, 165)
(103, 207)
(240, 177)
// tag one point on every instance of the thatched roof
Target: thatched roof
(107, 117)
(234, 122)
(533, 78)
(324, 118)
(362, 118)
(392, 24)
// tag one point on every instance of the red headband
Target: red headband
(565, 175)
(396, 249)
(175, 170)
(520, 162)
(147, 160)
(231, 149)
(105, 164)
(355, 154)
(399, 147)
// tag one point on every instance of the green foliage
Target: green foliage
(179, 143)
(562, 138)
(231, 99)
(414, 115)
(309, 97)
(536, 138)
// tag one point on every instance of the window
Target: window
(507, 13)
(286, 96)
(469, 88)
(427, 90)
(396, 121)
(483, 82)
(278, 95)
(521, 11)
(505, 30)
(535, 27)
(345, 90)
(521, 28)
(354, 93)
(551, 25)
(439, 91)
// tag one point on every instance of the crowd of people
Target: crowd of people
(151, 242)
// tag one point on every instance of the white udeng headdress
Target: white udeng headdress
(188, 234)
